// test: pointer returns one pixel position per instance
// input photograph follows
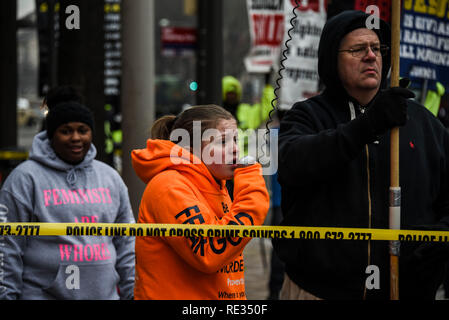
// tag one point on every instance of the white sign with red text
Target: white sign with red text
(300, 77)
(266, 24)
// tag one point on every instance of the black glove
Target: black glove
(389, 108)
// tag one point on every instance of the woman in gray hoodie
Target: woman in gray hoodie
(62, 182)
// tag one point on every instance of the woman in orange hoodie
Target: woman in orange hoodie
(186, 185)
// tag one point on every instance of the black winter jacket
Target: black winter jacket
(335, 173)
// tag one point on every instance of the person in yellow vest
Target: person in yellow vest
(249, 117)
(433, 98)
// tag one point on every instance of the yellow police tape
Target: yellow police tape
(234, 231)
(13, 155)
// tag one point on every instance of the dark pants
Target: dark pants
(446, 282)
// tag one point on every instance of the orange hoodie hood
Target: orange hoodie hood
(161, 155)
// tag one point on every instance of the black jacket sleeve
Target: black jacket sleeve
(313, 146)
(441, 205)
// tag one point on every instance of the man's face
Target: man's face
(363, 73)
(71, 141)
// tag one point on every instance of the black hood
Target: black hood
(333, 32)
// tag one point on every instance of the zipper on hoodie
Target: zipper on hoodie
(362, 110)
(353, 116)
(369, 211)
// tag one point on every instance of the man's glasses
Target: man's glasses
(362, 51)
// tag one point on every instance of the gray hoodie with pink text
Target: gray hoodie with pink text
(46, 189)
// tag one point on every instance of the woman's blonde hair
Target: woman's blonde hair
(209, 115)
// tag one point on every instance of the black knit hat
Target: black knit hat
(66, 112)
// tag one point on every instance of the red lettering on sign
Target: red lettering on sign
(305, 5)
(268, 29)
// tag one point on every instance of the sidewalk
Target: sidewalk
(257, 255)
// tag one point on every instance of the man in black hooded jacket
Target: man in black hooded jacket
(334, 158)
